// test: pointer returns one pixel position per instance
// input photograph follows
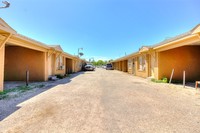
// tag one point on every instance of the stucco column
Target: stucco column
(64, 62)
(73, 66)
(156, 70)
(147, 65)
(46, 66)
(2, 58)
(122, 66)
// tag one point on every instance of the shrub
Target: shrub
(59, 76)
(163, 80)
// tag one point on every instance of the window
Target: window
(59, 62)
(130, 63)
(141, 63)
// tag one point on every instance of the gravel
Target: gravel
(107, 101)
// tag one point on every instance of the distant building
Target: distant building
(181, 53)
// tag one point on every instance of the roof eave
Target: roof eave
(176, 41)
(22, 37)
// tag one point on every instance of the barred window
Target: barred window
(141, 63)
(59, 62)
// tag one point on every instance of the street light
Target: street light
(91, 59)
(7, 4)
(80, 53)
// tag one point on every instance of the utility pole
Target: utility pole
(80, 53)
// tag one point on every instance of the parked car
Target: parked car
(89, 67)
(109, 67)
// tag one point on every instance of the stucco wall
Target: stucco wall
(79, 65)
(144, 73)
(153, 67)
(1, 67)
(73, 66)
(18, 60)
(50, 65)
(117, 65)
(183, 58)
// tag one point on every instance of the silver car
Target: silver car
(89, 68)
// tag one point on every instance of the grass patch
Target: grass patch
(4, 94)
(163, 80)
(24, 88)
(19, 89)
(39, 86)
(60, 76)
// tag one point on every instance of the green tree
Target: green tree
(110, 60)
(94, 63)
(100, 62)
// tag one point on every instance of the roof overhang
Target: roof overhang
(67, 55)
(16, 40)
(144, 49)
(126, 57)
(196, 29)
(4, 27)
(56, 47)
(193, 39)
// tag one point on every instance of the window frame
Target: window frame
(142, 63)
(60, 63)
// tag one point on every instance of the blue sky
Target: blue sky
(105, 29)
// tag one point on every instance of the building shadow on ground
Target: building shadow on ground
(9, 105)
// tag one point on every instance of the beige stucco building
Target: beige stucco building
(180, 53)
(19, 53)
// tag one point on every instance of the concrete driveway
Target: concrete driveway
(108, 102)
